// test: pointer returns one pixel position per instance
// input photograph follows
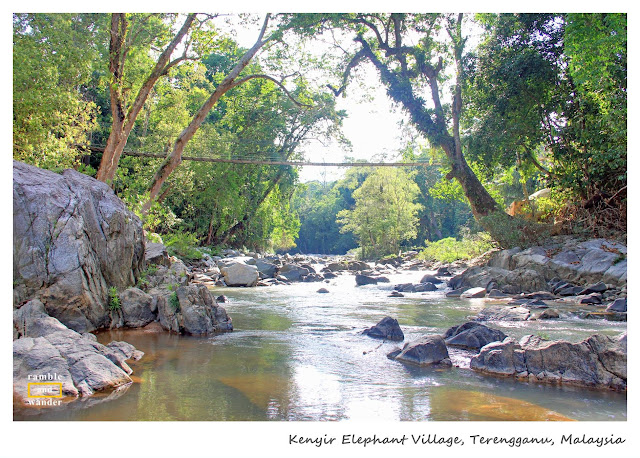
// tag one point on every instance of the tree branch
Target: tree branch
(355, 60)
(270, 78)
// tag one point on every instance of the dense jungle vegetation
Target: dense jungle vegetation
(498, 105)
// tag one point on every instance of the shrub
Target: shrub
(182, 245)
(114, 299)
(174, 302)
(450, 249)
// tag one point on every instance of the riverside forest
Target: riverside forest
(171, 260)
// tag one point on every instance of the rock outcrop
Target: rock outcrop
(190, 310)
(46, 348)
(73, 239)
(598, 361)
(581, 262)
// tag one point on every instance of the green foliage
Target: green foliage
(449, 249)
(510, 232)
(174, 302)
(182, 245)
(143, 281)
(114, 299)
(53, 61)
(385, 212)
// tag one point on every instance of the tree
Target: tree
(231, 80)
(53, 57)
(385, 212)
(128, 33)
(382, 39)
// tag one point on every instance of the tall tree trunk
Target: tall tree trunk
(399, 89)
(175, 157)
(123, 120)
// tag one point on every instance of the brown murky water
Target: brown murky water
(299, 355)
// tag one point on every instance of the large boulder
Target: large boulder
(598, 361)
(426, 351)
(266, 269)
(472, 335)
(387, 328)
(156, 253)
(79, 362)
(509, 281)
(581, 262)
(190, 310)
(240, 274)
(73, 239)
(293, 272)
(138, 308)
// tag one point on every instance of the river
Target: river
(296, 354)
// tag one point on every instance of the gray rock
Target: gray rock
(357, 266)
(599, 361)
(569, 290)
(136, 306)
(534, 304)
(593, 298)
(191, 310)
(336, 267)
(431, 279)
(293, 272)
(266, 269)
(497, 294)
(405, 288)
(549, 314)
(240, 274)
(156, 253)
(426, 351)
(396, 294)
(32, 320)
(387, 328)
(513, 282)
(474, 293)
(472, 335)
(422, 287)
(73, 239)
(540, 295)
(599, 287)
(619, 305)
(455, 293)
(80, 363)
(503, 313)
(362, 280)
(322, 291)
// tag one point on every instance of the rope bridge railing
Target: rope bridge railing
(273, 162)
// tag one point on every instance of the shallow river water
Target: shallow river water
(298, 355)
